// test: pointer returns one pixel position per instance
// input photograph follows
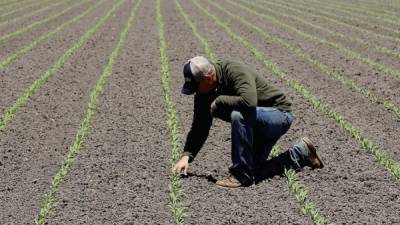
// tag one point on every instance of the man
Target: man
(258, 112)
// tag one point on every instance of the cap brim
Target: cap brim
(188, 88)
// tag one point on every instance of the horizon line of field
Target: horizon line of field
(297, 189)
(324, 30)
(346, 8)
(49, 198)
(50, 33)
(317, 104)
(35, 12)
(43, 21)
(352, 20)
(30, 5)
(332, 74)
(373, 64)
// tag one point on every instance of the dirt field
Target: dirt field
(87, 134)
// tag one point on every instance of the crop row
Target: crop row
(354, 132)
(340, 48)
(45, 36)
(359, 12)
(9, 3)
(300, 192)
(11, 111)
(26, 6)
(32, 13)
(370, 7)
(299, 10)
(387, 104)
(335, 33)
(179, 211)
(41, 22)
(352, 20)
(295, 186)
(84, 129)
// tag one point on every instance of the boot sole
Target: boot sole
(313, 151)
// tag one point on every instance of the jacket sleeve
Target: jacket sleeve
(202, 120)
(246, 92)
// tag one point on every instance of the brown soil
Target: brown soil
(121, 175)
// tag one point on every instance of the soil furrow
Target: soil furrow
(26, 9)
(367, 23)
(347, 166)
(121, 176)
(38, 140)
(24, 34)
(19, 89)
(365, 46)
(336, 25)
(12, 26)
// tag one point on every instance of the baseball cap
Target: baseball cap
(193, 70)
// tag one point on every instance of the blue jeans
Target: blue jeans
(254, 133)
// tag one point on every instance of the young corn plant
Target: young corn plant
(313, 100)
(300, 193)
(179, 211)
(83, 132)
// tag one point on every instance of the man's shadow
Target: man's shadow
(269, 169)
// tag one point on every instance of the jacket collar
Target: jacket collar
(218, 71)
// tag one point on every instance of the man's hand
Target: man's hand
(182, 164)
(213, 107)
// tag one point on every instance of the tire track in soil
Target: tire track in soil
(352, 188)
(269, 203)
(35, 144)
(16, 78)
(121, 177)
(377, 123)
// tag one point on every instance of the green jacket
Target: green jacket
(239, 87)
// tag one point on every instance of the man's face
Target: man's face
(207, 83)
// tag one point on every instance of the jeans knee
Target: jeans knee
(236, 116)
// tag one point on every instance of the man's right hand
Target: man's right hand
(182, 164)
